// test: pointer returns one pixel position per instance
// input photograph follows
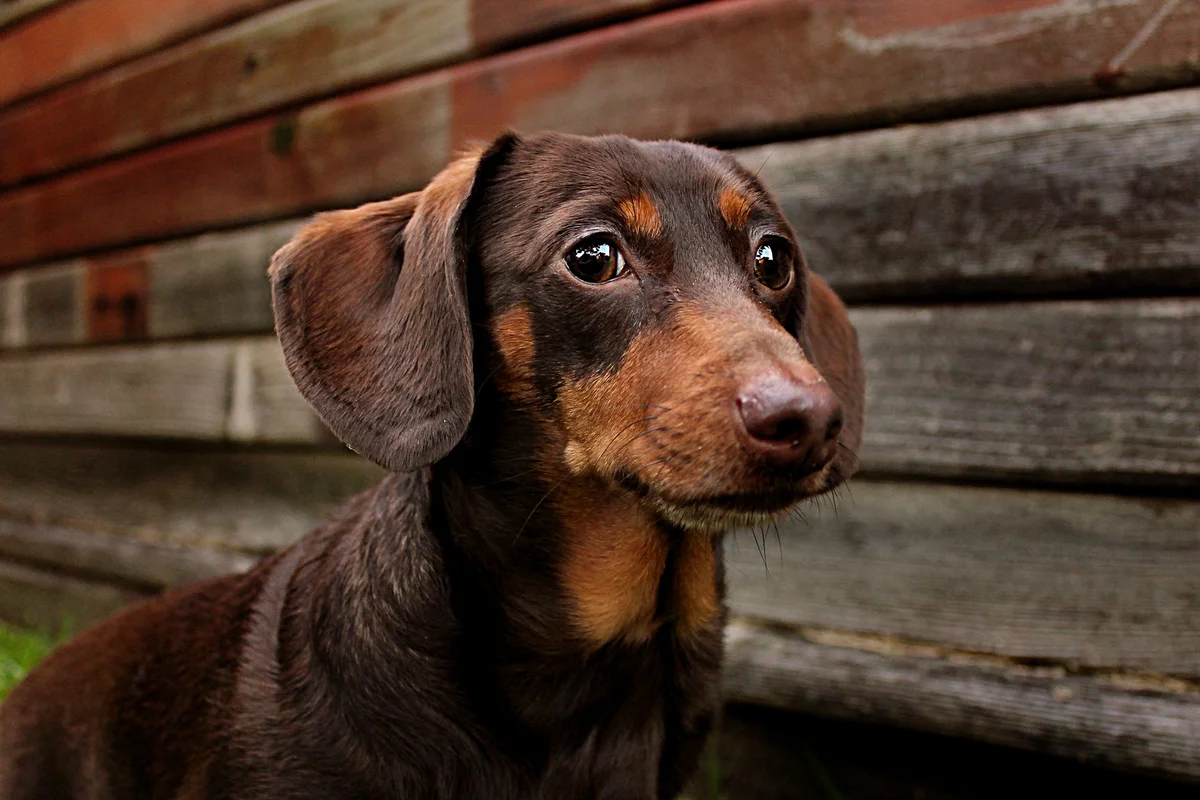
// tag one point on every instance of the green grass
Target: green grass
(19, 650)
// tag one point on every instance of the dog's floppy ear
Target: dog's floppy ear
(831, 343)
(371, 310)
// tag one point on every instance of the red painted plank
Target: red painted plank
(494, 22)
(750, 69)
(116, 302)
(303, 50)
(742, 69)
(86, 35)
(336, 153)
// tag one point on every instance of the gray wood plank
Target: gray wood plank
(215, 283)
(13, 10)
(206, 285)
(1078, 716)
(1060, 392)
(236, 390)
(1070, 391)
(244, 500)
(40, 599)
(1096, 197)
(1099, 581)
(133, 564)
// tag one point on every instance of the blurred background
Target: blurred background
(1006, 602)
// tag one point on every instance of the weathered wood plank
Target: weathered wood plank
(148, 567)
(1090, 579)
(771, 754)
(1101, 392)
(252, 501)
(1060, 392)
(219, 390)
(1096, 197)
(211, 284)
(293, 53)
(496, 22)
(87, 35)
(253, 171)
(1051, 711)
(15, 10)
(681, 73)
(39, 599)
(1091, 197)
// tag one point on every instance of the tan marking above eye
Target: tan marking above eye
(734, 206)
(641, 215)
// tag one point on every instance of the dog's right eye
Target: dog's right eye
(596, 259)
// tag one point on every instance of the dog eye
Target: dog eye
(596, 259)
(773, 263)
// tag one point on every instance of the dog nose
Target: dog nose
(790, 423)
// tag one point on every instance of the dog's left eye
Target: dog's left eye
(773, 263)
(596, 259)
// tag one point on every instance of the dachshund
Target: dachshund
(582, 360)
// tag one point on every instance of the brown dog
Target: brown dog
(583, 359)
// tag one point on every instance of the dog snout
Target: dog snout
(790, 422)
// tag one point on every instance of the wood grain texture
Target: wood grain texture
(216, 391)
(15, 10)
(41, 599)
(751, 69)
(215, 283)
(1097, 197)
(1104, 393)
(1063, 392)
(325, 156)
(1056, 713)
(87, 35)
(681, 73)
(297, 51)
(1093, 197)
(211, 284)
(1093, 580)
(291, 54)
(496, 22)
(132, 564)
(252, 501)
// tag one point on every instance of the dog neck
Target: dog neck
(570, 562)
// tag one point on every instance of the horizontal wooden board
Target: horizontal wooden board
(1062, 392)
(41, 599)
(1093, 197)
(1048, 711)
(1093, 580)
(147, 567)
(244, 500)
(208, 285)
(14, 10)
(1098, 392)
(215, 391)
(682, 73)
(86, 35)
(1090, 197)
(291, 54)
(773, 754)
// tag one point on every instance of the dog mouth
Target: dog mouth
(719, 513)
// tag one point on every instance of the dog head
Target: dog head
(645, 303)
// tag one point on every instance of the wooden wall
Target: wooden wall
(1007, 192)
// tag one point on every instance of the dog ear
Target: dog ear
(831, 343)
(371, 310)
